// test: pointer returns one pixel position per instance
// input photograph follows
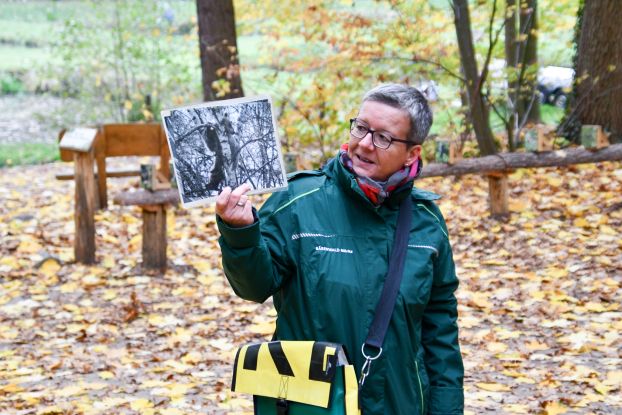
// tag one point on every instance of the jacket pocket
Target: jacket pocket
(417, 279)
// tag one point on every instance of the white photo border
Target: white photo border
(225, 103)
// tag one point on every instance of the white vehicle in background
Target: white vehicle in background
(554, 84)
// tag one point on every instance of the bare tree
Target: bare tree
(521, 46)
(528, 103)
(479, 110)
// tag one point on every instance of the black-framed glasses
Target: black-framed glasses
(379, 139)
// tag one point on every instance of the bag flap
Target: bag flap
(299, 371)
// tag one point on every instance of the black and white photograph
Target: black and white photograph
(224, 143)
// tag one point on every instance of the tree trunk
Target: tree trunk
(479, 109)
(599, 95)
(219, 51)
(529, 104)
(511, 61)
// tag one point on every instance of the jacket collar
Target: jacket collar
(348, 183)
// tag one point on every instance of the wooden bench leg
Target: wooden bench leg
(154, 237)
(85, 203)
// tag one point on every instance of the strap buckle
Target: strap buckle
(367, 365)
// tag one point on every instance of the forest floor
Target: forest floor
(29, 118)
(539, 301)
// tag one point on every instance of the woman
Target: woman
(321, 249)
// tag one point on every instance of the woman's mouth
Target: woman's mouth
(364, 160)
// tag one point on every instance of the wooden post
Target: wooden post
(85, 202)
(80, 142)
(153, 206)
(498, 194)
(100, 160)
(154, 237)
(545, 143)
(455, 153)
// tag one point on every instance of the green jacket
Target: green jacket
(321, 250)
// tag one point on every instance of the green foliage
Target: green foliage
(324, 56)
(10, 85)
(27, 153)
(124, 62)
(127, 61)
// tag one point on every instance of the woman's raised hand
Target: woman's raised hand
(234, 207)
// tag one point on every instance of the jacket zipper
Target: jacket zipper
(420, 387)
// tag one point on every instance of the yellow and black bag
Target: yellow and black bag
(297, 378)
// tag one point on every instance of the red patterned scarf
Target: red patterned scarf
(378, 192)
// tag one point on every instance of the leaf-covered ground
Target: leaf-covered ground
(540, 299)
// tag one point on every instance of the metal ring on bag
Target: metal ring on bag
(369, 357)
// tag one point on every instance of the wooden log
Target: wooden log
(154, 237)
(506, 161)
(85, 203)
(143, 197)
(109, 173)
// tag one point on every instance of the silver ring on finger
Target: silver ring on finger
(240, 203)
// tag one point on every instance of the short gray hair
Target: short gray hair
(409, 99)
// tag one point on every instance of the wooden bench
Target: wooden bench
(89, 155)
(122, 140)
(153, 206)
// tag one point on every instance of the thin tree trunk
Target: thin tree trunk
(219, 51)
(479, 109)
(511, 61)
(529, 105)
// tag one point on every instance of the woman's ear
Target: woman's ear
(413, 155)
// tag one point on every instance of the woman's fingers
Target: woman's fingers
(222, 201)
(234, 207)
(238, 193)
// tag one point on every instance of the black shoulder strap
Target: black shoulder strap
(384, 309)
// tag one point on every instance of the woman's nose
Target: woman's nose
(367, 141)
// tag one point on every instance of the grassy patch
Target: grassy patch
(550, 114)
(42, 11)
(18, 32)
(21, 58)
(28, 153)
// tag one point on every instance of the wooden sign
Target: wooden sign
(151, 179)
(593, 137)
(447, 152)
(538, 139)
(531, 140)
(78, 139)
(441, 154)
(545, 141)
(455, 153)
